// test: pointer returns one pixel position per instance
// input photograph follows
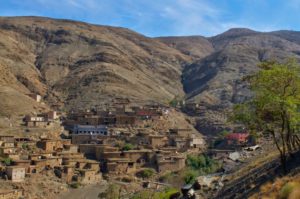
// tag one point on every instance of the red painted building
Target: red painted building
(237, 138)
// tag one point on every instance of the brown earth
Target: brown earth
(79, 65)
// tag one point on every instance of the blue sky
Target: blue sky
(167, 17)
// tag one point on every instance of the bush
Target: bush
(203, 164)
(146, 173)
(127, 147)
(190, 177)
(165, 194)
(7, 161)
(75, 185)
(25, 146)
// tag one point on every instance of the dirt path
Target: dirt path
(86, 192)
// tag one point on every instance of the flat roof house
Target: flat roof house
(90, 129)
(15, 173)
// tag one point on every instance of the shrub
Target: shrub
(202, 163)
(75, 185)
(127, 147)
(165, 194)
(190, 177)
(7, 161)
(146, 173)
(25, 146)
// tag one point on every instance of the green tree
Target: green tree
(275, 105)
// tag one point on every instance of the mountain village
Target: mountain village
(121, 143)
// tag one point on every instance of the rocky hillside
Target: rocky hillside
(79, 65)
(215, 80)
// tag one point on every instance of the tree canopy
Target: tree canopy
(275, 105)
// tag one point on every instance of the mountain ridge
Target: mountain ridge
(79, 65)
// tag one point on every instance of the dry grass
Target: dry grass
(282, 188)
(254, 163)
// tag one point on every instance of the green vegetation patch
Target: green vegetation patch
(146, 173)
(165, 194)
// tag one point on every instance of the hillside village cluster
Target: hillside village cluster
(96, 144)
(115, 143)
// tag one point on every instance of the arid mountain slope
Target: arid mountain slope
(215, 81)
(79, 65)
(195, 46)
(82, 65)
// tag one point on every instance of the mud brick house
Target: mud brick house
(101, 149)
(72, 148)
(180, 132)
(6, 151)
(171, 163)
(89, 176)
(39, 164)
(119, 166)
(35, 121)
(125, 120)
(52, 115)
(7, 138)
(88, 149)
(196, 142)
(113, 154)
(8, 144)
(82, 139)
(89, 120)
(23, 163)
(51, 162)
(88, 164)
(49, 145)
(15, 173)
(10, 194)
(36, 97)
(68, 172)
(68, 158)
(42, 155)
(157, 141)
(24, 141)
(140, 157)
(182, 144)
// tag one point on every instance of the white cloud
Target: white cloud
(165, 17)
